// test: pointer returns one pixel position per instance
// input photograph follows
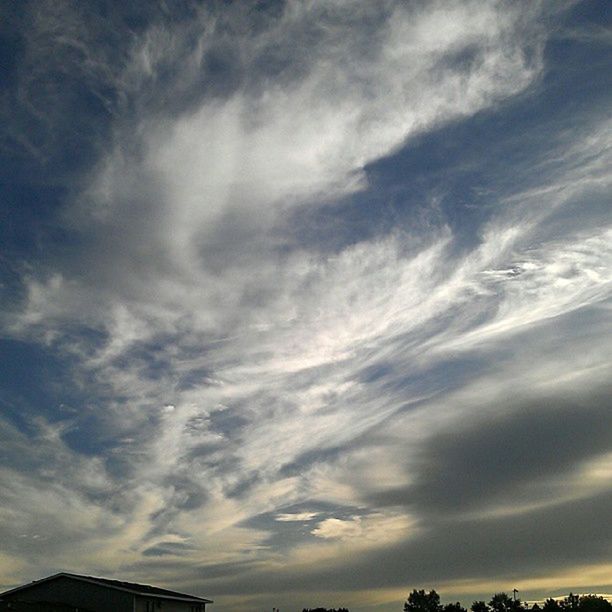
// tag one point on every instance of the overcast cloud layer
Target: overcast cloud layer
(307, 303)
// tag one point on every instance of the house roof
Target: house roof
(130, 587)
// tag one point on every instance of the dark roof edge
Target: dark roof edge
(92, 580)
(30, 584)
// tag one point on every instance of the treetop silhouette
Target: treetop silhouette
(421, 601)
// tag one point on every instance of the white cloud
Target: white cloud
(374, 530)
(296, 516)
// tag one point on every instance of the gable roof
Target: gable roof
(119, 585)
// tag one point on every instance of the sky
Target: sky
(308, 302)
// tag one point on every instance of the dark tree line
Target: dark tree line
(420, 601)
(325, 610)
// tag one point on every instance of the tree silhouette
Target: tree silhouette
(454, 607)
(551, 605)
(325, 610)
(420, 601)
(571, 602)
(594, 603)
(501, 602)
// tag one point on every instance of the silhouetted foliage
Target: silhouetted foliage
(551, 605)
(325, 610)
(420, 601)
(454, 607)
(571, 602)
(594, 603)
(502, 602)
(479, 606)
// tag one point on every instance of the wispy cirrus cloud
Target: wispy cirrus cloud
(257, 403)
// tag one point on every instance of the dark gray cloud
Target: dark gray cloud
(500, 496)
(167, 549)
(570, 534)
(507, 457)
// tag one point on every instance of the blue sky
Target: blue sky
(307, 303)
